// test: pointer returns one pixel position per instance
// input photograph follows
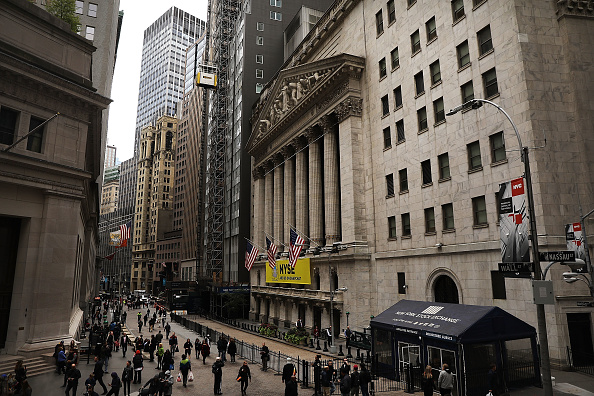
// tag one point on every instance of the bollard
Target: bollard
(305, 383)
(358, 354)
(311, 345)
(325, 347)
(340, 351)
(349, 356)
(318, 345)
(368, 358)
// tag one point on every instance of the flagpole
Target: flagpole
(255, 244)
(275, 239)
(303, 235)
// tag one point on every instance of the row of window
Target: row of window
(9, 122)
(92, 10)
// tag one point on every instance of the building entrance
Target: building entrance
(446, 290)
(10, 228)
(580, 338)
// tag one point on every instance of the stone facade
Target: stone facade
(382, 83)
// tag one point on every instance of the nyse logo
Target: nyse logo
(432, 309)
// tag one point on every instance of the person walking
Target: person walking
(73, 377)
(153, 347)
(427, 383)
(160, 353)
(265, 354)
(316, 333)
(317, 367)
(205, 350)
(445, 381)
(217, 370)
(167, 384)
(127, 375)
(291, 386)
(185, 367)
(355, 381)
(139, 326)
(222, 348)
(167, 329)
(364, 380)
(345, 383)
(326, 381)
(91, 381)
(61, 361)
(288, 370)
(243, 376)
(137, 362)
(197, 346)
(493, 380)
(232, 349)
(124, 341)
(347, 336)
(115, 385)
(188, 348)
(98, 371)
(167, 361)
(106, 354)
(173, 344)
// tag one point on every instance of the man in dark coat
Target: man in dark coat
(73, 377)
(98, 371)
(291, 386)
(288, 370)
(317, 366)
(217, 370)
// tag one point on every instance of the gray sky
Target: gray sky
(138, 15)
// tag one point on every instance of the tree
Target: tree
(65, 10)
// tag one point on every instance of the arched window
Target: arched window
(445, 290)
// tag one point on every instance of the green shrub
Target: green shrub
(267, 329)
(296, 336)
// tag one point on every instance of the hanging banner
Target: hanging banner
(285, 273)
(575, 240)
(115, 238)
(513, 222)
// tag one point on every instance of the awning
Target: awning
(452, 322)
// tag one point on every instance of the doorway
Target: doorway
(10, 229)
(580, 338)
(446, 290)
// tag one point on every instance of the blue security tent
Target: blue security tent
(412, 334)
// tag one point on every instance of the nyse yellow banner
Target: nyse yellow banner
(283, 273)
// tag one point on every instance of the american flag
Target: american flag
(125, 231)
(295, 247)
(271, 253)
(250, 255)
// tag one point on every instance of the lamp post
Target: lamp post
(332, 292)
(347, 314)
(540, 311)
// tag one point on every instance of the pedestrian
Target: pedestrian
(106, 352)
(317, 366)
(139, 326)
(115, 385)
(217, 370)
(205, 350)
(299, 323)
(243, 376)
(160, 353)
(232, 349)
(265, 354)
(222, 348)
(167, 329)
(145, 319)
(137, 361)
(20, 371)
(329, 335)
(364, 380)
(445, 381)
(427, 381)
(61, 360)
(26, 389)
(493, 380)
(332, 376)
(167, 384)
(185, 367)
(291, 386)
(345, 383)
(73, 377)
(345, 366)
(152, 348)
(355, 385)
(173, 344)
(347, 336)
(124, 341)
(288, 370)
(159, 337)
(127, 376)
(91, 391)
(98, 371)
(57, 348)
(188, 348)
(90, 381)
(197, 346)
(167, 361)
(316, 333)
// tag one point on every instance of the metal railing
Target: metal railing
(581, 361)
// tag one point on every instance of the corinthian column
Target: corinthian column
(331, 181)
(279, 212)
(289, 193)
(269, 198)
(259, 194)
(316, 204)
(301, 187)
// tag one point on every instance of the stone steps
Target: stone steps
(35, 365)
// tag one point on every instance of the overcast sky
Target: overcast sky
(138, 15)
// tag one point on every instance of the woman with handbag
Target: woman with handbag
(243, 377)
(205, 350)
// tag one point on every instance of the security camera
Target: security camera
(438, 245)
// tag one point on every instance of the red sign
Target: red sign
(517, 187)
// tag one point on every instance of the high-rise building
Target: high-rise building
(110, 158)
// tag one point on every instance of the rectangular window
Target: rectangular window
(498, 285)
(259, 73)
(419, 83)
(387, 138)
(276, 16)
(78, 7)
(401, 283)
(391, 12)
(259, 40)
(385, 106)
(403, 176)
(8, 124)
(444, 166)
(457, 9)
(260, 26)
(426, 172)
(90, 33)
(382, 68)
(422, 118)
(390, 185)
(479, 210)
(405, 218)
(392, 227)
(438, 110)
(467, 92)
(415, 42)
(397, 97)
(484, 40)
(463, 54)
(400, 131)
(36, 138)
(92, 10)
(497, 147)
(259, 87)
(490, 83)
(429, 220)
(276, 3)
(447, 212)
(379, 23)
(474, 155)
(260, 59)
(431, 29)
(394, 58)
(435, 72)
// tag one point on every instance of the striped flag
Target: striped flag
(125, 231)
(271, 253)
(295, 247)
(250, 255)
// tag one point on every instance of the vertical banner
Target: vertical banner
(513, 222)
(575, 240)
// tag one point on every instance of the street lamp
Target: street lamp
(571, 277)
(540, 311)
(347, 314)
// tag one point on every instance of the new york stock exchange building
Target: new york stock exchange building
(351, 148)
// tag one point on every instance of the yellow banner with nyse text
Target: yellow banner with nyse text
(283, 273)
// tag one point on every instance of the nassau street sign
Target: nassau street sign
(561, 256)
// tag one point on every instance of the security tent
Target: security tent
(412, 334)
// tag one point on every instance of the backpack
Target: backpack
(355, 379)
(215, 368)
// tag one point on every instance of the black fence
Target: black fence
(581, 361)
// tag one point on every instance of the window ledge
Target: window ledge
(493, 96)
(396, 68)
(475, 170)
(478, 5)
(414, 53)
(405, 236)
(503, 161)
(486, 54)
(382, 32)
(459, 19)
(419, 95)
(422, 131)
(431, 41)
(403, 192)
(391, 23)
(413, 3)
(385, 115)
(448, 231)
(387, 148)
(436, 84)
(389, 196)
(430, 233)
(478, 226)
(400, 142)
(439, 123)
(392, 238)
(383, 77)
(445, 179)
(427, 185)
(466, 66)
(398, 108)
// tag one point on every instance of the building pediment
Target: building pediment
(295, 90)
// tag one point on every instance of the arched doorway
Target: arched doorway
(445, 290)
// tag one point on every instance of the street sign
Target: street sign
(516, 270)
(561, 256)
(585, 304)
